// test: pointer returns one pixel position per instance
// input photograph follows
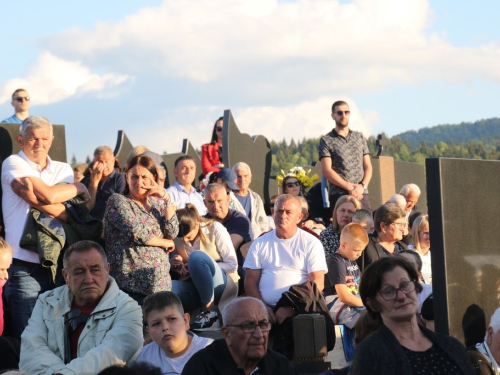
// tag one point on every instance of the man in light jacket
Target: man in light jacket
(84, 326)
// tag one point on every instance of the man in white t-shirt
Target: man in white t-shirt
(28, 179)
(283, 257)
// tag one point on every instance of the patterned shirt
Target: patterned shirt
(347, 156)
(330, 240)
(135, 266)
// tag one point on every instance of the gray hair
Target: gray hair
(363, 216)
(405, 190)
(287, 197)
(214, 186)
(34, 122)
(103, 150)
(398, 199)
(82, 247)
(232, 307)
(494, 322)
(242, 165)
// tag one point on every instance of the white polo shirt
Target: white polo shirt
(15, 209)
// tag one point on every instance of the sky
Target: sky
(163, 71)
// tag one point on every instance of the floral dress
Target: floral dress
(135, 266)
(330, 240)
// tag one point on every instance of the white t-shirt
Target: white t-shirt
(284, 262)
(15, 209)
(422, 296)
(426, 267)
(155, 355)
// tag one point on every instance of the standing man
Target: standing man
(345, 159)
(250, 201)
(21, 103)
(182, 191)
(30, 178)
(103, 181)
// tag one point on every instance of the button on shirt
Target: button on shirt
(15, 209)
(181, 197)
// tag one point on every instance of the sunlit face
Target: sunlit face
(217, 202)
(185, 172)
(287, 214)
(244, 179)
(411, 201)
(36, 143)
(341, 119)
(138, 178)
(78, 176)
(108, 161)
(87, 277)
(424, 237)
(245, 346)
(5, 261)
(344, 213)
(394, 231)
(351, 250)
(368, 227)
(292, 187)
(404, 306)
(21, 101)
(167, 327)
(218, 129)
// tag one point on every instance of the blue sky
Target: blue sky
(165, 70)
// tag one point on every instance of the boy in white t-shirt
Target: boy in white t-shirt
(167, 324)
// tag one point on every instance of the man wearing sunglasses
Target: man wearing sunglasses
(21, 104)
(345, 159)
(243, 350)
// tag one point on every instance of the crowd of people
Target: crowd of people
(102, 268)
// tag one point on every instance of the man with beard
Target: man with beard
(345, 159)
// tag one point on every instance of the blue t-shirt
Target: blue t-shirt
(246, 203)
(12, 120)
(342, 271)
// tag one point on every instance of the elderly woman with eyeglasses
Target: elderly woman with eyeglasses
(389, 290)
(211, 153)
(390, 223)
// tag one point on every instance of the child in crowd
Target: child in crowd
(167, 324)
(342, 279)
(365, 219)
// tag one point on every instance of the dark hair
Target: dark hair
(159, 301)
(416, 255)
(134, 368)
(364, 327)
(181, 158)
(414, 217)
(144, 161)
(82, 247)
(214, 132)
(371, 279)
(283, 184)
(188, 217)
(337, 103)
(387, 213)
(117, 165)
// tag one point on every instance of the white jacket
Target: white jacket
(112, 334)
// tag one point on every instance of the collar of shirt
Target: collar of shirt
(49, 168)
(181, 188)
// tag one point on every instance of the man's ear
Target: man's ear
(489, 335)
(186, 318)
(20, 140)
(65, 275)
(225, 334)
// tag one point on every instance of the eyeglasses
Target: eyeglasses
(341, 113)
(21, 98)
(292, 184)
(219, 128)
(425, 234)
(399, 225)
(251, 327)
(391, 293)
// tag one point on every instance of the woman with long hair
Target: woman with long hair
(422, 245)
(211, 153)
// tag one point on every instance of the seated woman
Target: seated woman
(211, 153)
(206, 260)
(390, 223)
(345, 207)
(389, 291)
(138, 229)
(422, 245)
(490, 348)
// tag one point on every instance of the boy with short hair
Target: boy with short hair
(365, 219)
(342, 280)
(167, 324)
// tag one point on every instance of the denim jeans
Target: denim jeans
(24, 286)
(206, 285)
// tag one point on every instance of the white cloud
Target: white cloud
(51, 79)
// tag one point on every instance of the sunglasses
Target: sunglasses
(340, 113)
(21, 98)
(218, 128)
(292, 184)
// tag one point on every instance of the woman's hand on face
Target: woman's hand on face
(155, 190)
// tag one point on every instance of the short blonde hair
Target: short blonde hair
(354, 234)
(5, 247)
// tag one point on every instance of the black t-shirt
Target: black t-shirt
(433, 361)
(115, 183)
(341, 271)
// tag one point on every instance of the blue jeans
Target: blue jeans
(206, 285)
(24, 286)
